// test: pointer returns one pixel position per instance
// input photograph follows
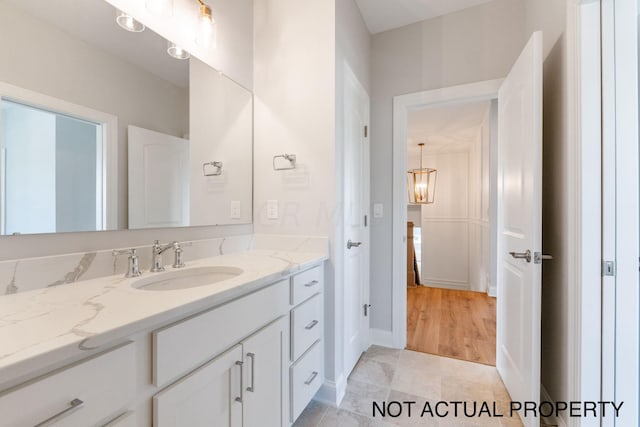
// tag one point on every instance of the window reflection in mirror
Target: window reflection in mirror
(51, 171)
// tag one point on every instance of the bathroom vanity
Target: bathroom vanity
(246, 350)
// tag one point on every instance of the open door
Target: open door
(520, 227)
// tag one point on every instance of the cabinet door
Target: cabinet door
(266, 378)
(206, 397)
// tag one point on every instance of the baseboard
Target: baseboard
(332, 392)
(381, 337)
(492, 291)
(552, 421)
(447, 284)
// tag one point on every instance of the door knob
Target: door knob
(351, 244)
(538, 257)
(522, 255)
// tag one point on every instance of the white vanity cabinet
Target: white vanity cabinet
(88, 393)
(307, 331)
(243, 387)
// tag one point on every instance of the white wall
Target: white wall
(480, 43)
(549, 16)
(235, 44)
(221, 129)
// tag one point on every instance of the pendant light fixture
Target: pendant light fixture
(176, 51)
(127, 22)
(206, 33)
(421, 183)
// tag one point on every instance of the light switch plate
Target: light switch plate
(272, 209)
(378, 210)
(236, 209)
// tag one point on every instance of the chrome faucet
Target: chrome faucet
(156, 255)
(133, 267)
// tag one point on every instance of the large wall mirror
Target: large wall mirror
(103, 128)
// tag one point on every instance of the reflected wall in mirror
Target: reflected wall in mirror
(72, 90)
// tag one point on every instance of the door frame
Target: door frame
(402, 105)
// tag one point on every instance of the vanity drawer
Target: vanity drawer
(306, 326)
(307, 376)
(104, 384)
(180, 348)
(305, 285)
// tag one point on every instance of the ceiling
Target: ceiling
(448, 128)
(383, 15)
(146, 50)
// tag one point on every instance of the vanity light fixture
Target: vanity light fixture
(127, 22)
(160, 7)
(176, 51)
(422, 183)
(206, 33)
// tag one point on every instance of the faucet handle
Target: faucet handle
(177, 251)
(133, 268)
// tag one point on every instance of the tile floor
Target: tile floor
(387, 374)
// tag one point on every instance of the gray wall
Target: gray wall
(480, 43)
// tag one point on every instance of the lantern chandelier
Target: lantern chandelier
(421, 183)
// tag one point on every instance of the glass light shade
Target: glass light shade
(160, 7)
(176, 51)
(421, 184)
(127, 22)
(207, 28)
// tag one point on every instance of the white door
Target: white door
(520, 226)
(210, 396)
(158, 179)
(356, 211)
(266, 376)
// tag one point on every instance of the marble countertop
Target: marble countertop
(42, 328)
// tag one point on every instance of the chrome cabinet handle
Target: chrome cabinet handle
(252, 388)
(311, 378)
(311, 325)
(73, 405)
(239, 398)
(311, 284)
(351, 244)
(522, 255)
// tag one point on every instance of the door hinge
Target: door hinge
(366, 131)
(608, 268)
(366, 220)
(366, 309)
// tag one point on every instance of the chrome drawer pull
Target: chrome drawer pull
(239, 398)
(311, 325)
(74, 404)
(311, 284)
(311, 378)
(252, 388)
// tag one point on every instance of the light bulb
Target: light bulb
(176, 51)
(160, 7)
(127, 22)
(206, 35)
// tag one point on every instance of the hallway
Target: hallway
(449, 323)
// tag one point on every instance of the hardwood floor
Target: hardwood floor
(457, 324)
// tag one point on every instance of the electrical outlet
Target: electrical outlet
(378, 210)
(236, 210)
(272, 209)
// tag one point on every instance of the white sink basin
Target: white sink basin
(185, 279)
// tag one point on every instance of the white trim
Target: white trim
(332, 392)
(382, 338)
(585, 181)
(486, 90)
(551, 421)
(109, 147)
